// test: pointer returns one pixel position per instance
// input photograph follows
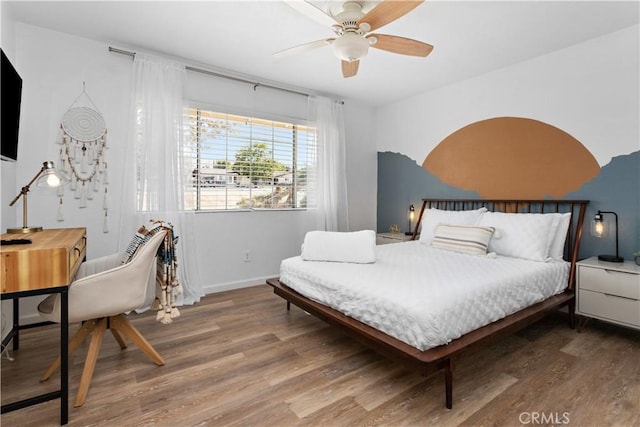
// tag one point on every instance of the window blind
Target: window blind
(240, 162)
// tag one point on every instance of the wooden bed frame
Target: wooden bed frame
(442, 357)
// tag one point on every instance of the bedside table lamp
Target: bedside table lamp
(47, 177)
(599, 229)
(412, 214)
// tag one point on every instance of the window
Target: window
(239, 162)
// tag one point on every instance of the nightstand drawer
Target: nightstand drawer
(610, 282)
(609, 307)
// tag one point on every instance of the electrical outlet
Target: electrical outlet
(247, 255)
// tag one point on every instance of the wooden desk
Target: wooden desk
(46, 266)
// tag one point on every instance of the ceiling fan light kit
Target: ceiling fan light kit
(350, 47)
(351, 27)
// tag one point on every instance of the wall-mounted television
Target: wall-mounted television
(11, 93)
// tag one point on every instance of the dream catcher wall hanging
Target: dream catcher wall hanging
(82, 155)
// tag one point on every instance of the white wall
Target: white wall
(362, 170)
(589, 90)
(54, 65)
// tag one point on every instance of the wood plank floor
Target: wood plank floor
(239, 358)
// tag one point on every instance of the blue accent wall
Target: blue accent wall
(402, 182)
(616, 188)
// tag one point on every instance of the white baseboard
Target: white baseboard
(221, 287)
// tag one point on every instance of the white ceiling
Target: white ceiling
(470, 38)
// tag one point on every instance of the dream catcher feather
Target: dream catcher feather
(82, 155)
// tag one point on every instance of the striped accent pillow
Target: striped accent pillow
(462, 238)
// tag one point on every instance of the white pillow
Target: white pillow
(526, 236)
(559, 235)
(434, 217)
(462, 238)
(357, 246)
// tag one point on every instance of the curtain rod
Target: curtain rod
(213, 73)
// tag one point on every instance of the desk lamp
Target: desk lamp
(47, 177)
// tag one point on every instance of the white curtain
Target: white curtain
(331, 179)
(155, 172)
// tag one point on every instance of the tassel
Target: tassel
(89, 192)
(83, 196)
(96, 184)
(60, 191)
(105, 176)
(156, 304)
(175, 313)
(177, 289)
(78, 190)
(105, 200)
(65, 167)
(160, 315)
(60, 211)
(84, 161)
(166, 318)
(105, 226)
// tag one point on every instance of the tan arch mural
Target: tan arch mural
(512, 157)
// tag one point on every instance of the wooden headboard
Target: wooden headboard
(577, 208)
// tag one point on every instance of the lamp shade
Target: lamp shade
(598, 227)
(412, 215)
(50, 176)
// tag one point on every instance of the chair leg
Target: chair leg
(90, 362)
(118, 338)
(86, 328)
(122, 325)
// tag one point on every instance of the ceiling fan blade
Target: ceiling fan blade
(302, 48)
(312, 12)
(350, 69)
(388, 11)
(401, 45)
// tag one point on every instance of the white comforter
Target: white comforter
(423, 296)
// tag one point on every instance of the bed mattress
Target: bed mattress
(424, 296)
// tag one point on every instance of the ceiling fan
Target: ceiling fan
(352, 27)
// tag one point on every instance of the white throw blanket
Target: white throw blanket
(356, 247)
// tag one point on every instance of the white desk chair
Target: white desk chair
(103, 290)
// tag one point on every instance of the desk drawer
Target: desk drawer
(76, 256)
(52, 259)
(609, 307)
(610, 282)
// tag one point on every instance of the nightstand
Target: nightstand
(384, 238)
(609, 291)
